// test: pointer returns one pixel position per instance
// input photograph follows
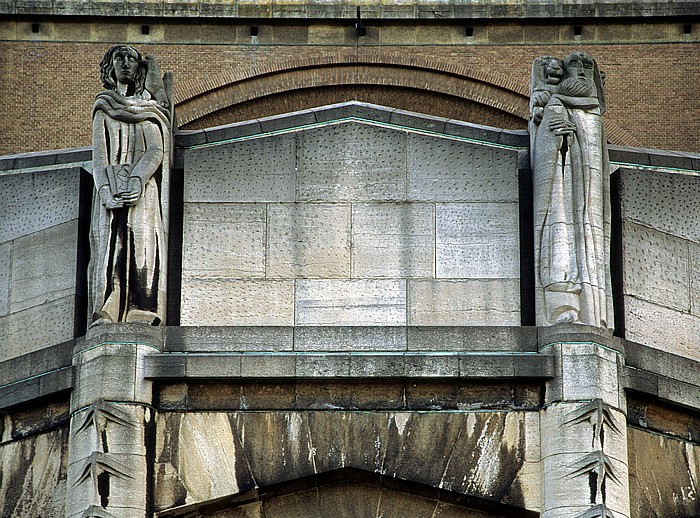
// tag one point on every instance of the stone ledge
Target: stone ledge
(662, 387)
(60, 157)
(285, 365)
(337, 9)
(36, 387)
(359, 111)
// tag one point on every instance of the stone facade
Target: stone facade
(352, 323)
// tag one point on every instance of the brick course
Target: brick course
(48, 86)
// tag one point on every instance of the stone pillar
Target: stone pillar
(583, 426)
(111, 421)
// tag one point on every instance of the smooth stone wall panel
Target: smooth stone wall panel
(477, 240)
(224, 240)
(393, 240)
(351, 302)
(470, 302)
(352, 161)
(259, 169)
(308, 240)
(230, 302)
(448, 170)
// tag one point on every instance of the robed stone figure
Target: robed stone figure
(571, 192)
(131, 139)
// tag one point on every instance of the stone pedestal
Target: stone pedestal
(111, 422)
(583, 427)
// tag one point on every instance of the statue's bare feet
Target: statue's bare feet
(101, 321)
(567, 317)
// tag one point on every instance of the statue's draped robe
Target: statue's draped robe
(128, 245)
(572, 214)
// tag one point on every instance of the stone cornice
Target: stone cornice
(342, 9)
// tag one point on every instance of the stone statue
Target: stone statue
(131, 146)
(571, 192)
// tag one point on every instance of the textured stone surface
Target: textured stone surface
(224, 240)
(452, 451)
(250, 170)
(468, 302)
(224, 302)
(477, 240)
(664, 474)
(350, 302)
(37, 327)
(32, 202)
(34, 472)
(447, 170)
(656, 267)
(665, 201)
(308, 240)
(351, 161)
(225, 339)
(43, 267)
(349, 338)
(393, 240)
(481, 338)
(662, 328)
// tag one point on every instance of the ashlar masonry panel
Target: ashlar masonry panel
(351, 222)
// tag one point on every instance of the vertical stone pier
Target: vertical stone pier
(111, 422)
(583, 425)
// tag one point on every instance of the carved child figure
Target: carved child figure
(131, 150)
(571, 192)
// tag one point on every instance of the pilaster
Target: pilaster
(111, 421)
(583, 426)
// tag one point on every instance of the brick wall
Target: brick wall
(48, 84)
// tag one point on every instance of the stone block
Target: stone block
(228, 339)
(663, 201)
(43, 266)
(472, 338)
(417, 121)
(349, 339)
(213, 366)
(393, 240)
(351, 302)
(467, 302)
(224, 240)
(656, 266)
(447, 170)
(5, 264)
(486, 366)
(353, 109)
(431, 365)
(694, 254)
(327, 365)
(377, 365)
(308, 241)
(661, 362)
(225, 302)
(477, 240)
(272, 365)
(286, 121)
(679, 392)
(37, 327)
(165, 366)
(662, 328)
(574, 428)
(251, 170)
(351, 161)
(31, 202)
(587, 371)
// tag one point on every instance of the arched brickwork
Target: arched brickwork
(198, 100)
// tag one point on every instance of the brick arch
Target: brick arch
(197, 99)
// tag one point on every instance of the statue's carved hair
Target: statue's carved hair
(109, 80)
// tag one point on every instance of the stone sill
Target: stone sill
(337, 9)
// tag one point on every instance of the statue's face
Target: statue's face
(553, 71)
(125, 65)
(582, 67)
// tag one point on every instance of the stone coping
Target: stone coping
(342, 9)
(353, 110)
(474, 352)
(359, 111)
